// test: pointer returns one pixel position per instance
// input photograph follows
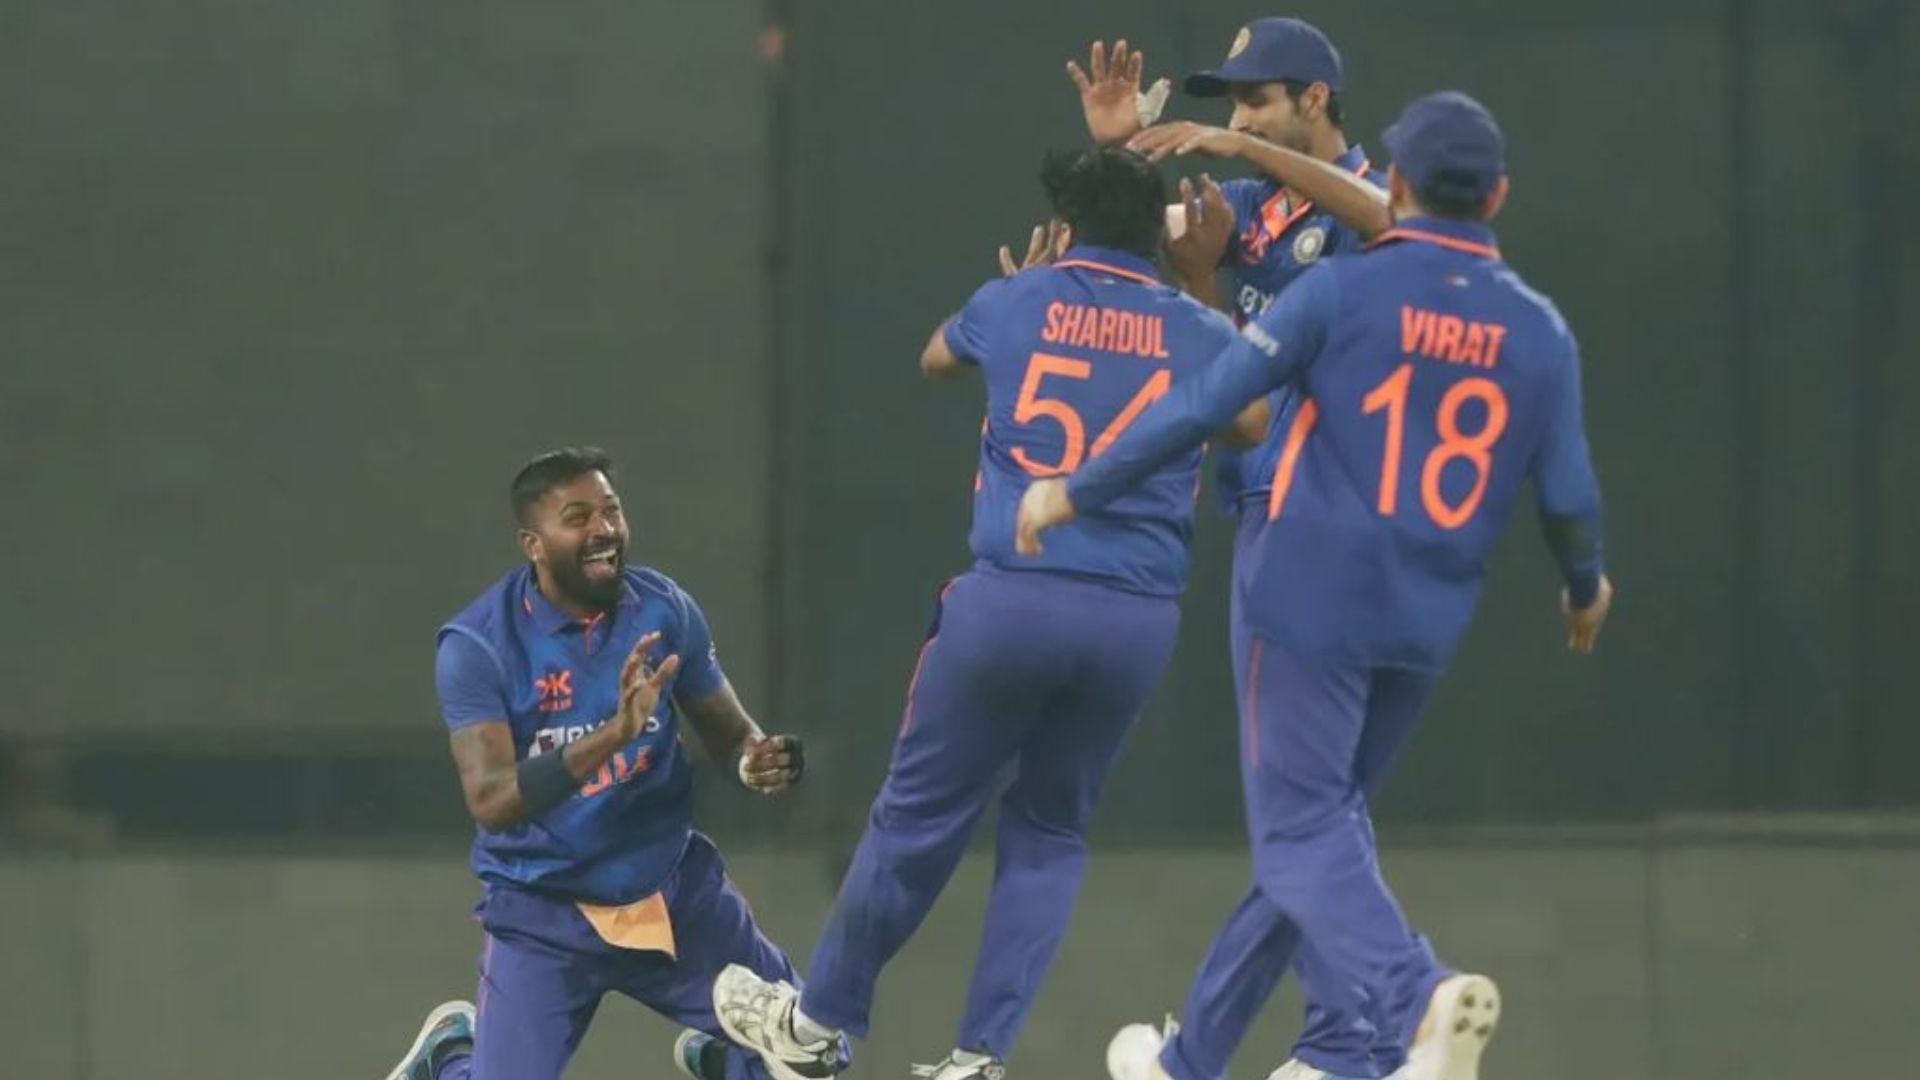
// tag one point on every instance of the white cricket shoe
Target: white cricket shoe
(1460, 1021)
(1134, 1051)
(758, 1015)
(978, 1067)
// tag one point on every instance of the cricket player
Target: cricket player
(565, 686)
(1035, 665)
(1435, 384)
(1317, 196)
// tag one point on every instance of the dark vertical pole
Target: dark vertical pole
(1870, 52)
(1744, 378)
(775, 52)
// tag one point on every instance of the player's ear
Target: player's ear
(1316, 100)
(1496, 199)
(530, 545)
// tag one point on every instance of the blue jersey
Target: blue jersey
(1275, 242)
(1073, 353)
(512, 656)
(1435, 383)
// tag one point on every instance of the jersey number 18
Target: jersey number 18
(1390, 397)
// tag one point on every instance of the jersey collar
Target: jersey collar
(1471, 237)
(1124, 264)
(1276, 216)
(548, 619)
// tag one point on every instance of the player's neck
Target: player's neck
(1329, 143)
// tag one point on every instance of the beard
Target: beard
(593, 584)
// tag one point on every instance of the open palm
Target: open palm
(1109, 91)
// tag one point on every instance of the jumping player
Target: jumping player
(565, 685)
(1039, 664)
(1435, 383)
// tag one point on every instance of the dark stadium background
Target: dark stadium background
(288, 290)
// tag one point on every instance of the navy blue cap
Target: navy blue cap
(1447, 144)
(1272, 50)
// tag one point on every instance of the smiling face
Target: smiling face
(576, 538)
(1268, 111)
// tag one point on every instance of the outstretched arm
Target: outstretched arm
(1352, 200)
(1187, 417)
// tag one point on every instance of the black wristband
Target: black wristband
(545, 782)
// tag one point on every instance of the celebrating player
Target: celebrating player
(1042, 664)
(1435, 384)
(552, 683)
(1318, 197)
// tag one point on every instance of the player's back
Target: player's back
(1441, 375)
(1073, 353)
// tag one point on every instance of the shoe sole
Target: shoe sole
(451, 1008)
(780, 1069)
(1471, 1011)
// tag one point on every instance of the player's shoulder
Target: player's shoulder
(489, 615)
(1531, 298)
(1244, 191)
(1532, 314)
(1200, 320)
(648, 583)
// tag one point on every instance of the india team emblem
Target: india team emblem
(1240, 42)
(1309, 244)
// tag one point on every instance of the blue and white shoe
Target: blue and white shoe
(700, 1056)
(963, 1065)
(448, 1024)
(758, 1015)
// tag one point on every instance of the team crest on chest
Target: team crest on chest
(555, 689)
(1309, 244)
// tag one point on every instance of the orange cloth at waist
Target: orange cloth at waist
(643, 924)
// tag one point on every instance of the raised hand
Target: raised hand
(1110, 92)
(1047, 243)
(1182, 137)
(1195, 251)
(642, 684)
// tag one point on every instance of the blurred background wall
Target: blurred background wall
(288, 291)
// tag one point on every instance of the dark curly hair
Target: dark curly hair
(1110, 196)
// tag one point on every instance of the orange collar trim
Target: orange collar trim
(1088, 264)
(1468, 246)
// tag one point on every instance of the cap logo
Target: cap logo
(1240, 42)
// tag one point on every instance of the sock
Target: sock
(808, 1030)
